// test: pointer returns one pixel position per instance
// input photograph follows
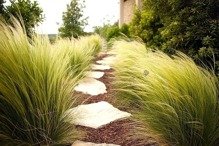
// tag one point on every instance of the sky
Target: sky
(97, 11)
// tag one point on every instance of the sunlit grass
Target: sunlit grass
(35, 90)
(79, 60)
(81, 52)
(92, 44)
(175, 98)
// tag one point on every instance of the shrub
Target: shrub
(173, 96)
(110, 32)
(73, 21)
(190, 26)
(35, 90)
(79, 61)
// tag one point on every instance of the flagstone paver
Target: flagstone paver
(95, 74)
(107, 60)
(100, 67)
(96, 115)
(81, 143)
(91, 86)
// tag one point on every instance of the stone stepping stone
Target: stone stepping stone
(96, 115)
(91, 86)
(81, 143)
(107, 60)
(100, 67)
(95, 74)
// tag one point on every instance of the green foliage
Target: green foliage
(28, 12)
(109, 31)
(73, 22)
(190, 26)
(2, 8)
(176, 99)
(146, 24)
(36, 83)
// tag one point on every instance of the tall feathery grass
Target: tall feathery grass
(175, 98)
(81, 52)
(79, 60)
(35, 90)
(93, 44)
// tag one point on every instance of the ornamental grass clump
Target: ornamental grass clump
(175, 98)
(35, 90)
(81, 53)
(92, 44)
(79, 59)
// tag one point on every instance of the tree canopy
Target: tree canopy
(25, 10)
(112, 31)
(73, 21)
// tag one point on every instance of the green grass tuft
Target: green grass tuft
(35, 90)
(175, 98)
(93, 44)
(81, 52)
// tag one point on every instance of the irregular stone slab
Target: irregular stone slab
(102, 53)
(96, 115)
(100, 67)
(91, 86)
(111, 52)
(107, 60)
(95, 74)
(81, 143)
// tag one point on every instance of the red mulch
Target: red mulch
(117, 132)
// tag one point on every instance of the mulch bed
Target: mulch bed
(117, 132)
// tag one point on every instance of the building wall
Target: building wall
(127, 10)
(138, 3)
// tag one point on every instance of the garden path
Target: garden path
(103, 124)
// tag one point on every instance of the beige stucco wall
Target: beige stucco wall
(138, 3)
(127, 9)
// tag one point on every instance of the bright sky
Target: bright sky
(97, 11)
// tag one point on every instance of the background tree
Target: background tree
(73, 21)
(29, 12)
(146, 25)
